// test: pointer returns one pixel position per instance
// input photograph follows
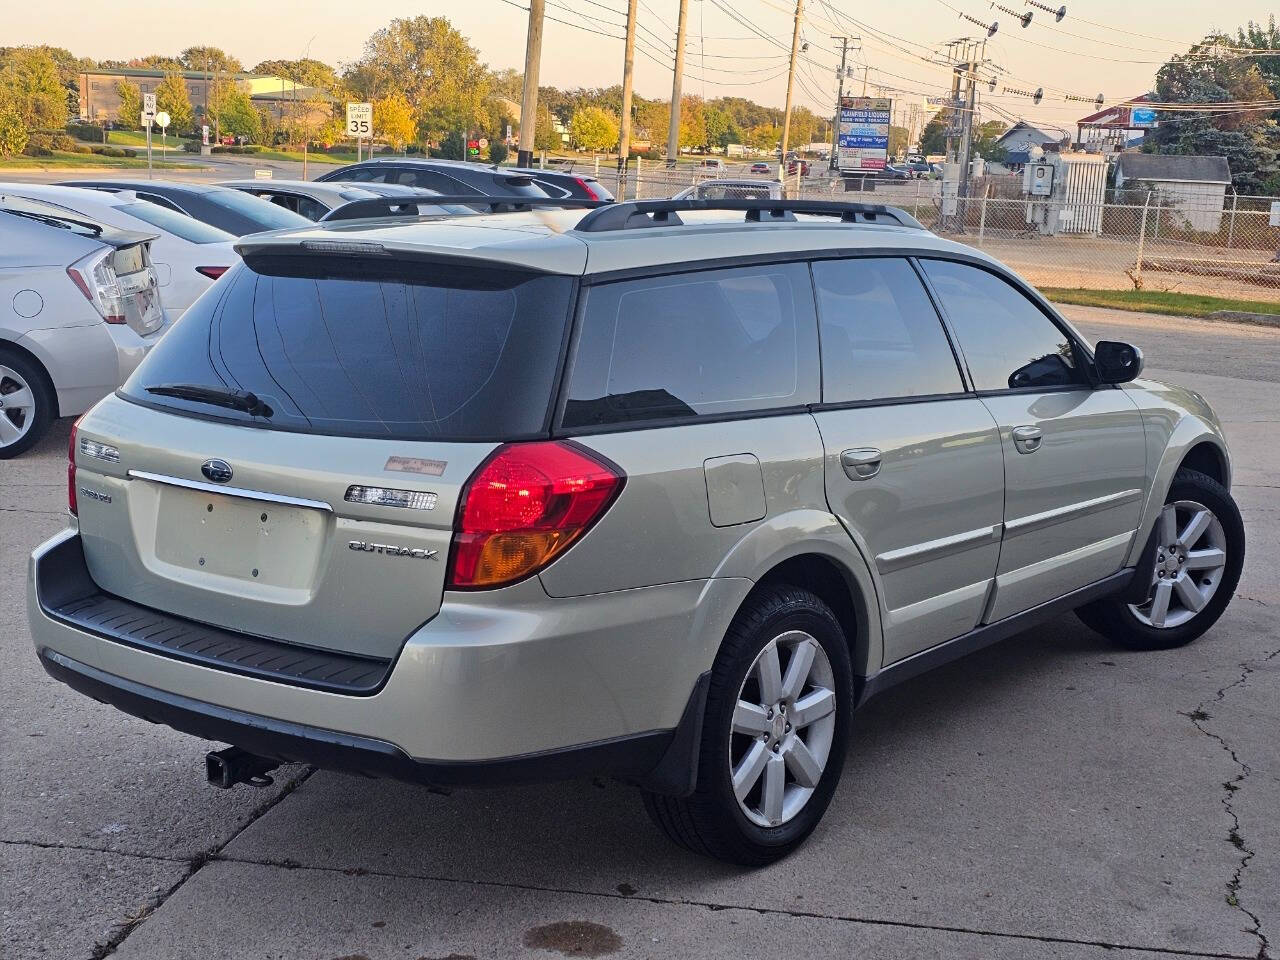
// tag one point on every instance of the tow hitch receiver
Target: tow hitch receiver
(225, 768)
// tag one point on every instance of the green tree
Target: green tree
(172, 98)
(305, 72)
(393, 120)
(593, 129)
(693, 122)
(209, 60)
(1212, 72)
(898, 137)
(33, 90)
(432, 65)
(13, 135)
(130, 104)
(236, 115)
(544, 134)
(498, 151)
(804, 125)
(933, 138)
(454, 146)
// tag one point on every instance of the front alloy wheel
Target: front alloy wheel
(1190, 560)
(1199, 553)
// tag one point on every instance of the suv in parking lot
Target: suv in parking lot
(663, 491)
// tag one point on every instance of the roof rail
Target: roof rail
(407, 204)
(666, 213)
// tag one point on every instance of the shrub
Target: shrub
(83, 148)
(39, 145)
(497, 151)
(62, 141)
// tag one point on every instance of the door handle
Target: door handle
(861, 463)
(1027, 439)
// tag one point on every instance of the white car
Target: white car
(79, 309)
(188, 255)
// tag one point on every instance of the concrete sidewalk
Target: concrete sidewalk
(1049, 797)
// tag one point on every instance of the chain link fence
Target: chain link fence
(1130, 240)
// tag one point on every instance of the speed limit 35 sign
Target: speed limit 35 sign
(359, 119)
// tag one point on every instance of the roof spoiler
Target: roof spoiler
(666, 213)
(54, 216)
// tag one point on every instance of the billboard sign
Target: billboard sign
(864, 133)
(1142, 117)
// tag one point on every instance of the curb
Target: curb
(1241, 316)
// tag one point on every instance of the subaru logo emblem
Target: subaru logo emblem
(217, 471)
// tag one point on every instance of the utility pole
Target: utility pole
(791, 79)
(673, 129)
(835, 127)
(529, 96)
(624, 127)
(972, 58)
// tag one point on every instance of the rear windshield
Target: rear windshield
(170, 221)
(264, 213)
(368, 348)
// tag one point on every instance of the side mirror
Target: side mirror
(1117, 362)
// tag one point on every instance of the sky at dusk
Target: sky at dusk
(1100, 47)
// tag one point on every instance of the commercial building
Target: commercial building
(282, 99)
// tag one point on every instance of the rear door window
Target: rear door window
(352, 347)
(881, 337)
(693, 345)
(178, 224)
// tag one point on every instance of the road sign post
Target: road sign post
(360, 124)
(162, 118)
(148, 117)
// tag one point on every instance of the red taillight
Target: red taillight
(524, 507)
(213, 273)
(72, 506)
(591, 194)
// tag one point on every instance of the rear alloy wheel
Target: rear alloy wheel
(25, 404)
(774, 733)
(1198, 557)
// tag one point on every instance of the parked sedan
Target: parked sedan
(893, 171)
(760, 167)
(315, 200)
(188, 255)
(448, 177)
(228, 210)
(79, 309)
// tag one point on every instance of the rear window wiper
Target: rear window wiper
(243, 400)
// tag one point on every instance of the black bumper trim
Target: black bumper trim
(634, 757)
(67, 593)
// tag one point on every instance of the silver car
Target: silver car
(662, 491)
(79, 309)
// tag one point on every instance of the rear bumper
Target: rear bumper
(661, 760)
(610, 684)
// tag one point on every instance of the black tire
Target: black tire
(1112, 616)
(710, 822)
(45, 403)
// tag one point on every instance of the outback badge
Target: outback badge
(391, 550)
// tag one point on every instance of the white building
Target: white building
(1195, 187)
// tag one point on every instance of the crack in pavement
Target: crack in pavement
(1235, 837)
(85, 848)
(721, 907)
(194, 865)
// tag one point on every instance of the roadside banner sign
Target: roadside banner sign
(149, 103)
(359, 120)
(864, 133)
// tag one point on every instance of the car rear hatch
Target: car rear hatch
(288, 460)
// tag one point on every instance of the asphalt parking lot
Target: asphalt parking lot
(1049, 797)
